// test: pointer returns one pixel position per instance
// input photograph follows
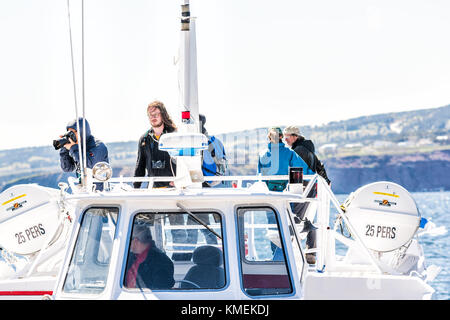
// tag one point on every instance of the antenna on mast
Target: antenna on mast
(81, 149)
(83, 160)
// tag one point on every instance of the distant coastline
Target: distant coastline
(409, 148)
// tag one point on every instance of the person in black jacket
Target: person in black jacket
(156, 162)
(305, 149)
(147, 266)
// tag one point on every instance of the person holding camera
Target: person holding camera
(96, 150)
(156, 162)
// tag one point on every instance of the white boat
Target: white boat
(239, 243)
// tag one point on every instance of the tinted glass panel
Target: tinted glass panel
(173, 251)
(89, 266)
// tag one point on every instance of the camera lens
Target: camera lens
(71, 135)
(57, 144)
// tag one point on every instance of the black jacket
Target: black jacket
(305, 149)
(156, 271)
(155, 161)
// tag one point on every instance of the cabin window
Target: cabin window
(90, 261)
(263, 259)
(175, 251)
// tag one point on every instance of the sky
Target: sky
(260, 63)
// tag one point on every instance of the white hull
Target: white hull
(353, 286)
(32, 288)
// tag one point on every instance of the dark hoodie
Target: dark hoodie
(96, 150)
(305, 149)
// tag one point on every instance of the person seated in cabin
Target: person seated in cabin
(276, 160)
(96, 150)
(147, 266)
(157, 163)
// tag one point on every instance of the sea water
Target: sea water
(435, 207)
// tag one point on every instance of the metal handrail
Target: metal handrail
(73, 182)
(341, 213)
(206, 178)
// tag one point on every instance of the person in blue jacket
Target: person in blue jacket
(214, 158)
(96, 150)
(276, 160)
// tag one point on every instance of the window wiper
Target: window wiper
(139, 282)
(179, 205)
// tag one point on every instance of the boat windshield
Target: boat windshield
(174, 251)
(90, 262)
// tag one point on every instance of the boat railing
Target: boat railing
(327, 235)
(238, 181)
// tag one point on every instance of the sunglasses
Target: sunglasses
(154, 115)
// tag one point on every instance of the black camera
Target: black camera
(57, 144)
(158, 164)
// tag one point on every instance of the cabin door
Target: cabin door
(264, 270)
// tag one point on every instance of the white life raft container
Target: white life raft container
(29, 214)
(383, 214)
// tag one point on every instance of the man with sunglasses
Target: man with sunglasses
(156, 162)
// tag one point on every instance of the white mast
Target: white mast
(186, 144)
(187, 69)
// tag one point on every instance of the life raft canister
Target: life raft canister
(29, 214)
(384, 215)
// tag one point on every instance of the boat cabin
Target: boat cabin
(206, 243)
